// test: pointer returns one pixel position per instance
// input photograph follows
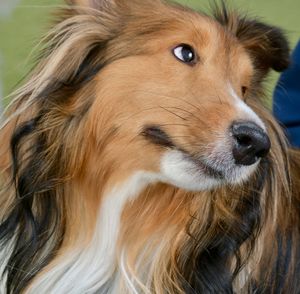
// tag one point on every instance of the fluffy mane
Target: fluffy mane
(58, 160)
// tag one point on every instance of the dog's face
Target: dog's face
(177, 107)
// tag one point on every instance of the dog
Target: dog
(140, 157)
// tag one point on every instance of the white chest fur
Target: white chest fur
(91, 269)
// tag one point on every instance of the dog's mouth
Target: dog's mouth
(186, 171)
(157, 136)
(206, 168)
(199, 171)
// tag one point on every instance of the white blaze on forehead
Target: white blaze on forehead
(244, 110)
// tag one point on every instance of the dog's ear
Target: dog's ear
(266, 44)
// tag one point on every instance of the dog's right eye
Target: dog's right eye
(185, 53)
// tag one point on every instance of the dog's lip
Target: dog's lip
(204, 167)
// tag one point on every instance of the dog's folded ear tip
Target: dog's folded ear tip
(268, 45)
(281, 47)
(281, 65)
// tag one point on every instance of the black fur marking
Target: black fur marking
(77, 80)
(281, 269)
(32, 229)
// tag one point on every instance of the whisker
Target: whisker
(173, 113)
(192, 114)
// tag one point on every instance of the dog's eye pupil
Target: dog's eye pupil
(185, 53)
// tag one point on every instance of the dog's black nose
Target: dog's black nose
(250, 143)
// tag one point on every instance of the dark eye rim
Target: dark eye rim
(191, 63)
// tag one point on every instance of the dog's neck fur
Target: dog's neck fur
(92, 268)
(101, 264)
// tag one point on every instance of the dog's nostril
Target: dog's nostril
(250, 143)
(244, 140)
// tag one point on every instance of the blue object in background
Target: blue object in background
(286, 106)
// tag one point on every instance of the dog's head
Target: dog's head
(175, 90)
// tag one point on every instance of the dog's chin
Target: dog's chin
(187, 172)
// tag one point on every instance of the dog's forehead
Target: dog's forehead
(206, 31)
(196, 27)
(205, 34)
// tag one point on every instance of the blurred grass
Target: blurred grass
(21, 32)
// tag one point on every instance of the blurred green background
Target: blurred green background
(22, 23)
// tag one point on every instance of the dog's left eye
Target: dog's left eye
(185, 53)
